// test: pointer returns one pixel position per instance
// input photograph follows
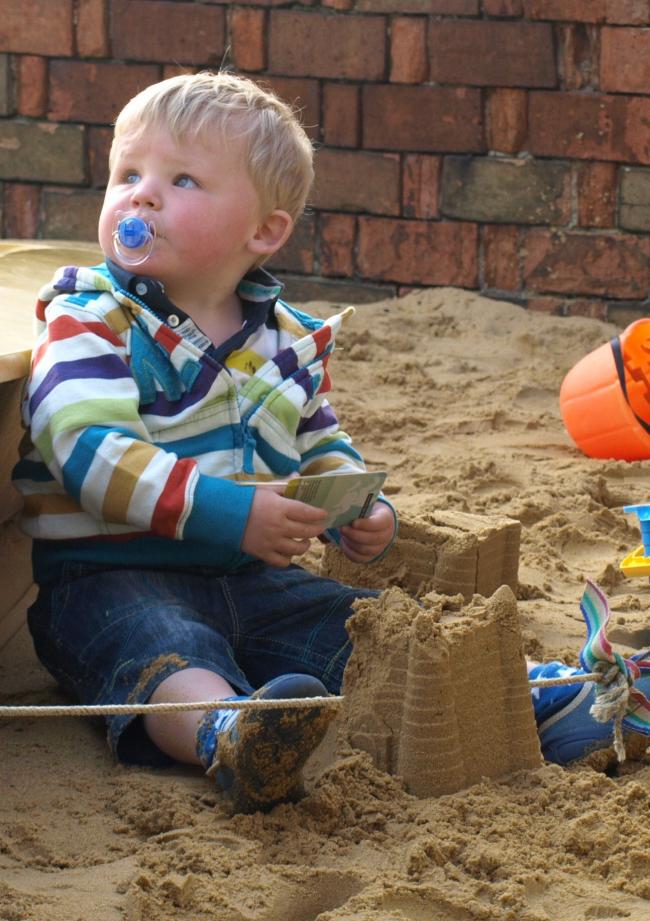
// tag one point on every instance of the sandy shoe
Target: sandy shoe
(260, 754)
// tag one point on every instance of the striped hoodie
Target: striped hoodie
(138, 431)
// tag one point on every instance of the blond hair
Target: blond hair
(278, 153)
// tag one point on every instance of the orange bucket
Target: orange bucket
(605, 397)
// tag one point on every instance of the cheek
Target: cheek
(207, 233)
(105, 229)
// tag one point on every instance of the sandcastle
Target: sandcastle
(440, 697)
(437, 691)
(444, 551)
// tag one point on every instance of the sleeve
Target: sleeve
(323, 446)
(83, 410)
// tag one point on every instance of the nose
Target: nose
(146, 194)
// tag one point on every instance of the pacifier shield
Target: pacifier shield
(133, 238)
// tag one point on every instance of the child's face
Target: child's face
(201, 201)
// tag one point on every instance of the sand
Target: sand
(456, 396)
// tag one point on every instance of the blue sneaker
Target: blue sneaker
(567, 731)
(259, 754)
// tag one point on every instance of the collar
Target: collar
(256, 287)
(258, 291)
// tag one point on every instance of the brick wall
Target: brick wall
(501, 145)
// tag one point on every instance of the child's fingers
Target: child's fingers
(291, 548)
(363, 524)
(358, 535)
(301, 512)
(295, 530)
(365, 545)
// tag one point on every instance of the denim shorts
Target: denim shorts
(112, 634)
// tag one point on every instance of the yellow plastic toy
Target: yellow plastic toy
(637, 563)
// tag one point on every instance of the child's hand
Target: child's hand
(365, 538)
(279, 529)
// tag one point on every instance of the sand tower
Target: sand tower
(445, 551)
(440, 696)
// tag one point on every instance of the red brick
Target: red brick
(248, 39)
(99, 145)
(341, 114)
(614, 12)
(95, 92)
(431, 7)
(506, 191)
(614, 265)
(177, 70)
(507, 120)
(581, 307)
(422, 118)
(322, 45)
(252, 2)
(302, 95)
(503, 7)
(297, 254)
(36, 27)
(71, 214)
(338, 4)
(475, 52)
(591, 127)
(501, 256)
(421, 186)
(163, 30)
(21, 211)
(625, 62)
(35, 151)
(579, 55)
(418, 252)
(627, 12)
(408, 50)
(569, 307)
(597, 184)
(92, 29)
(634, 199)
(554, 306)
(6, 86)
(31, 85)
(337, 235)
(357, 180)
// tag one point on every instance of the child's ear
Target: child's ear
(271, 233)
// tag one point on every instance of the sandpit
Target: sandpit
(456, 396)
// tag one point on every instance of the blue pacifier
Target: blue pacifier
(133, 238)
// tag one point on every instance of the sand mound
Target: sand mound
(457, 397)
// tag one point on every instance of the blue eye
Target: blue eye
(185, 182)
(131, 177)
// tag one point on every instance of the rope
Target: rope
(14, 712)
(122, 709)
(570, 679)
(612, 701)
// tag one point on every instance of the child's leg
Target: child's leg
(175, 733)
(139, 636)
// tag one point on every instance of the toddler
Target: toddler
(159, 379)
